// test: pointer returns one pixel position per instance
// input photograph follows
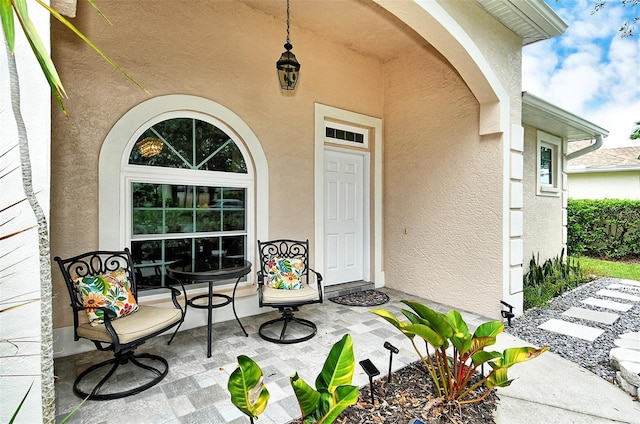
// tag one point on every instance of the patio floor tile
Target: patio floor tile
(195, 389)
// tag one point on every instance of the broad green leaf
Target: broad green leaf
(460, 327)
(390, 318)
(498, 378)
(437, 320)
(514, 355)
(479, 343)
(338, 367)
(489, 329)
(483, 356)
(414, 318)
(308, 397)
(462, 342)
(248, 392)
(430, 336)
(343, 397)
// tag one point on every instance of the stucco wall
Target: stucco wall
(604, 185)
(543, 215)
(226, 54)
(443, 194)
(444, 183)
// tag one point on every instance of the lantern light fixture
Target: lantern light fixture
(288, 67)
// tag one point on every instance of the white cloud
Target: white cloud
(589, 70)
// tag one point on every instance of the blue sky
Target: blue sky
(590, 70)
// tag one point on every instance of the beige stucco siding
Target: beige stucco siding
(543, 215)
(605, 185)
(224, 54)
(443, 182)
(443, 193)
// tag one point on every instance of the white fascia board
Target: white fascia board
(634, 168)
(533, 20)
(540, 16)
(560, 115)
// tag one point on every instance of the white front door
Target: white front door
(344, 216)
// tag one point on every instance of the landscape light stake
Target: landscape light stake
(371, 371)
(392, 349)
(507, 314)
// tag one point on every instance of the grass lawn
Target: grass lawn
(603, 268)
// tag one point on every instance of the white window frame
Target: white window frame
(115, 211)
(555, 144)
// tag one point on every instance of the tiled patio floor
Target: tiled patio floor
(195, 389)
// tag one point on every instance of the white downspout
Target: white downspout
(590, 148)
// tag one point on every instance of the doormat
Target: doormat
(362, 298)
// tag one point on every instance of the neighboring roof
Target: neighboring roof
(549, 118)
(602, 160)
(533, 20)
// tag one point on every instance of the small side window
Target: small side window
(549, 165)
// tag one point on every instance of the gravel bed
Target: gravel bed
(593, 356)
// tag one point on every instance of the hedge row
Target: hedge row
(607, 228)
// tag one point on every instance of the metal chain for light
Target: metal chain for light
(288, 41)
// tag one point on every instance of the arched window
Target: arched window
(187, 187)
(185, 216)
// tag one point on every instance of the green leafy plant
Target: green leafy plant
(248, 392)
(452, 375)
(333, 392)
(544, 281)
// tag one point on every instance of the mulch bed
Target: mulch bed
(362, 298)
(411, 395)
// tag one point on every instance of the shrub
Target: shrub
(607, 228)
(452, 376)
(542, 282)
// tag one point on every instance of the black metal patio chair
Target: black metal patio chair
(104, 298)
(283, 283)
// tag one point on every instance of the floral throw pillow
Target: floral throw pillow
(285, 273)
(111, 290)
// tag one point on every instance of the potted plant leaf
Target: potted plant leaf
(333, 392)
(248, 392)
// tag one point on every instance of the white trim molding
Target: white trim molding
(115, 149)
(328, 113)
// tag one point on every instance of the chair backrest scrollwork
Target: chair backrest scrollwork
(284, 248)
(91, 264)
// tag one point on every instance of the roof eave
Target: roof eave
(584, 129)
(634, 168)
(532, 20)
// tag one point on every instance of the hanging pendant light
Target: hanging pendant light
(150, 147)
(288, 67)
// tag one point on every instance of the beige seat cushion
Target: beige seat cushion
(306, 293)
(146, 320)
